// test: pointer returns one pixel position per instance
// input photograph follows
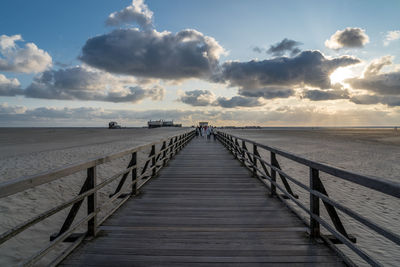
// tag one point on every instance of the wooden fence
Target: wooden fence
(155, 161)
(267, 172)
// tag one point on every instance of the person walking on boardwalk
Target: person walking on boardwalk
(208, 132)
(197, 131)
(202, 131)
(213, 133)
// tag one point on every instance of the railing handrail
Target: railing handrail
(89, 191)
(25, 182)
(316, 190)
(382, 185)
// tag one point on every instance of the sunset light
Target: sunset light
(270, 131)
(340, 74)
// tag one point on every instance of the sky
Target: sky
(240, 63)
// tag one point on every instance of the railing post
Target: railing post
(232, 147)
(92, 201)
(164, 153)
(254, 160)
(243, 152)
(180, 142)
(314, 203)
(153, 160)
(273, 174)
(174, 147)
(171, 148)
(134, 174)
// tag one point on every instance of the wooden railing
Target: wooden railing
(267, 173)
(155, 161)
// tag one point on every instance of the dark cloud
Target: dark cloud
(136, 94)
(186, 54)
(61, 64)
(79, 83)
(268, 92)
(237, 101)
(374, 80)
(308, 68)
(384, 86)
(376, 99)
(347, 38)
(137, 12)
(320, 95)
(207, 98)
(197, 98)
(9, 87)
(258, 49)
(286, 45)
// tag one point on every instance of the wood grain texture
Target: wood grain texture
(204, 209)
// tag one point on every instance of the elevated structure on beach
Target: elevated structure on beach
(202, 206)
(162, 123)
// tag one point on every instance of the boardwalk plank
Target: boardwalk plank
(204, 209)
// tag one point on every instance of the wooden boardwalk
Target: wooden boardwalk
(204, 209)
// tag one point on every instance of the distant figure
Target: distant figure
(202, 131)
(197, 131)
(213, 133)
(208, 132)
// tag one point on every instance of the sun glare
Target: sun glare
(340, 74)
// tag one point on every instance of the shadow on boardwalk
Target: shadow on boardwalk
(204, 209)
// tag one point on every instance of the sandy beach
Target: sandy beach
(29, 151)
(373, 152)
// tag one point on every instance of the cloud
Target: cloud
(11, 110)
(348, 38)
(376, 99)
(286, 45)
(387, 83)
(320, 95)
(208, 98)
(9, 87)
(237, 101)
(376, 65)
(258, 49)
(137, 12)
(197, 97)
(27, 59)
(82, 83)
(294, 116)
(390, 37)
(268, 92)
(308, 68)
(186, 54)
